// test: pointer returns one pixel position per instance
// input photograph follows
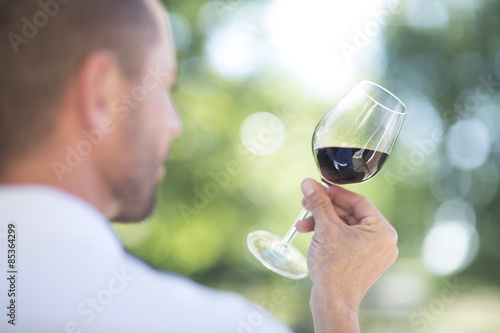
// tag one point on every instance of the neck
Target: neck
(71, 173)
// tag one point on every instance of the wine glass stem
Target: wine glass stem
(290, 235)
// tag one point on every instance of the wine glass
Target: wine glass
(351, 144)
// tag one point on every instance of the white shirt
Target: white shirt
(71, 274)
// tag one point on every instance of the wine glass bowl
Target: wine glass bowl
(354, 138)
(351, 143)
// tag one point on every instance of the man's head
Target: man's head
(85, 93)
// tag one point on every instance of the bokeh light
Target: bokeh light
(449, 246)
(234, 51)
(423, 14)
(468, 144)
(181, 31)
(263, 133)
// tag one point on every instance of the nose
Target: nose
(175, 121)
(177, 126)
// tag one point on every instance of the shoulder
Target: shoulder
(175, 303)
(74, 276)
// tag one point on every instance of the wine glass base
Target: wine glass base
(276, 255)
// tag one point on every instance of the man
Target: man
(86, 123)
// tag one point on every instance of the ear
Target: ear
(98, 82)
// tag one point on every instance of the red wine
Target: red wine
(345, 165)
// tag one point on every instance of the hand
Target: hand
(353, 244)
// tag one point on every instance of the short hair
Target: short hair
(42, 45)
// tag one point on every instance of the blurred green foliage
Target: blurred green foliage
(203, 235)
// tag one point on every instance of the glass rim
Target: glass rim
(387, 91)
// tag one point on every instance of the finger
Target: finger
(319, 204)
(352, 204)
(305, 225)
(344, 215)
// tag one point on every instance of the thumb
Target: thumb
(318, 203)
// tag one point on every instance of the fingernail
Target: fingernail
(307, 188)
